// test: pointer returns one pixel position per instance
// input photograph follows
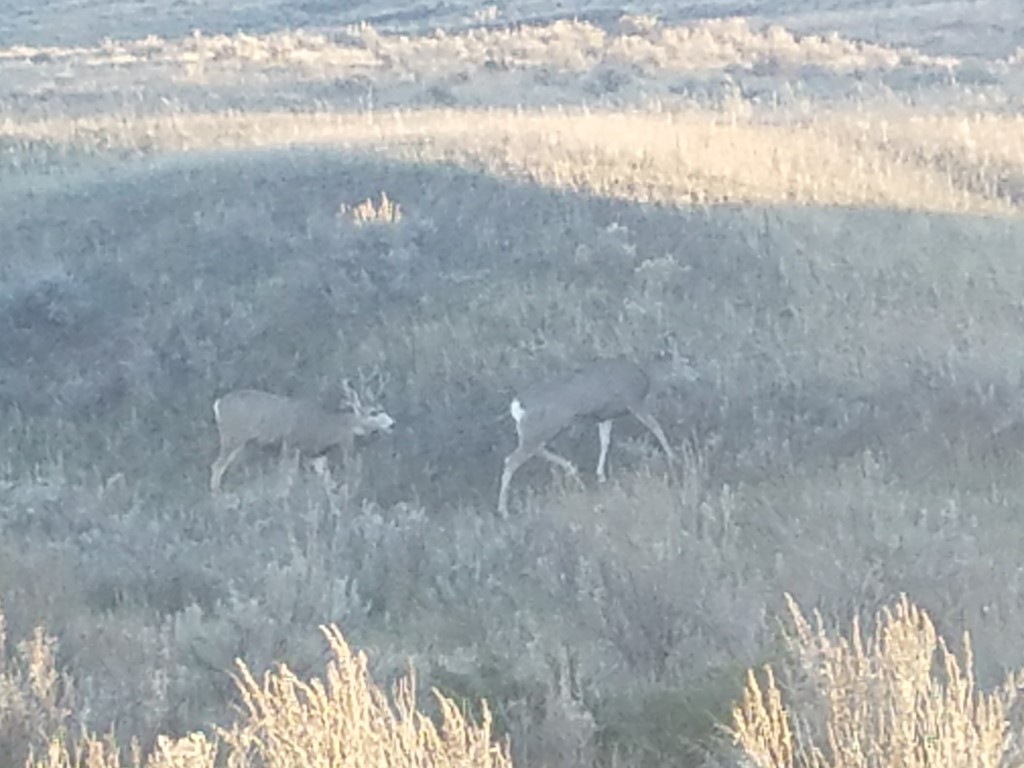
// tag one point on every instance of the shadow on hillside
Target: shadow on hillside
(818, 334)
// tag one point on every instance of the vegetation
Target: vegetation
(343, 720)
(901, 697)
(829, 230)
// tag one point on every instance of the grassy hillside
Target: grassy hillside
(828, 231)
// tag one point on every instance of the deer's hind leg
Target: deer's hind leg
(554, 458)
(513, 462)
(567, 466)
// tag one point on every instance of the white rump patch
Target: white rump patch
(517, 410)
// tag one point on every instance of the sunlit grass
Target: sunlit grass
(897, 697)
(695, 157)
(341, 721)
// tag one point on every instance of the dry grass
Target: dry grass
(369, 212)
(565, 46)
(714, 112)
(36, 699)
(342, 721)
(348, 721)
(900, 697)
(886, 160)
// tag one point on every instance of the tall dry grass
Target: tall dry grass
(344, 720)
(36, 698)
(899, 697)
(883, 160)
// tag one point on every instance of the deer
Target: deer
(245, 416)
(601, 391)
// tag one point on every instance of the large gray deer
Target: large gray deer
(601, 391)
(247, 416)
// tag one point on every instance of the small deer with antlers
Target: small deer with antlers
(247, 416)
(601, 392)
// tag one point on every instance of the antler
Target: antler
(352, 397)
(371, 386)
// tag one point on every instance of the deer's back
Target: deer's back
(603, 390)
(250, 414)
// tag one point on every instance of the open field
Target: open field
(827, 228)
